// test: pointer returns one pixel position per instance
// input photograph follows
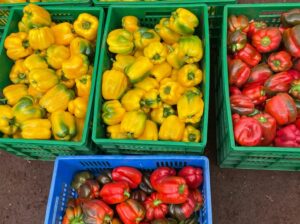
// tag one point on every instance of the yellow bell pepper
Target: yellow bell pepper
(34, 93)
(7, 120)
(114, 84)
(64, 80)
(120, 41)
(57, 98)
(114, 132)
(147, 84)
(174, 75)
(86, 26)
(63, 125)
(56, 55)
(35, 61)
(161, 71)
(17, 46)
(35, 16)
(36, 129)
(159, 114)
(191, 134)
(139, 69)
(134, 123)
(43, 79)
(190, 106)
(76, 66)
(175, 59)
(151, 99)
(83, 85)
(138, 53)
(63, 33)
(82, 46)
(13, 93)
(190, 47)
(172, 129)
(150, 131)
(189, 75)
(78, 107)
(170, 91)
(156, 52)
(112, 112)
(19, 73)
(144, 36)
(132, 99)
(41, 38)
(183, 21)
(123, 61)
(79, 129)
(130, 23)
(164, 31)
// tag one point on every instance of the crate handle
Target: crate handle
(158, 14)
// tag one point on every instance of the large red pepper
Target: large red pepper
(290, 18)
(159, 174)
(233, 90)
(267, 40)
(259, 74)
(247, 132)
(235, 118)
(239, 22)
(73, 215)
(294, 73)
(96, 211)
(238, 72)
(131, 211)
(128, 174)
(255, 26)
(295, 89)
(90, 189)
(155, 208)
(256, 93)
(279, 82)
(183, 211)
(249, 55)
(173, 190)
(288, 136)
(114, 193)
(241, 104)
(268, 124)
(283, 108)
(198, 198)
(291, 40)
(236, 41)
(280, 61)
(296, 64)
(192, 175)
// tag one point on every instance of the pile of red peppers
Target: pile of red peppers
(264, 79)
(129, 196)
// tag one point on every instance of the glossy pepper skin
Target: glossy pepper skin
(86, 26)
(130, 23)
(192, 175)
(159, 174)
(295, 89)
(239, 22)
(247, 131)
(183, 211)
(290, 18)
(112, 112)
(155, 209)
(120, 41)
(89, 189)
(79, 129)
(170, 91)
(134, 123)
(132, 99)
(145, 185)
(159, 114)
(56, 55)
(131, 211)
(241, 104)
(167, 131)
(73, 215)
(76, 66)
(17, 46)
(150, 132)
(63, 125)
(63, 33)
(183, 21)
(83, 85)
(19, 73)
(41, 38)
(156, 52)
(80, 178)
(268, 124)
(291, 41)
(236, 40)
(82, 46)
(115, 132)
(35, 16)
(144, 36)
(115, 192)
(123, 61)
(191, 134)
(189, 75)
(283, 108)
(35, 61)
(190, 48)
(165, 32)
(70, 83)
(255, 26)
(239, 72)
(233, 90)
(96, 211)
(139, 69)
(139, 196)
(288, 136)
(13, 93)
(259, 74)
(249, 55)
(78, 107)
(161, 71)
(267, 40)
(151, 99)
(279, 82)
(256, 93)
(175, 58)
(36, 129)
(43, 79)
(104, 177)
(7, 120)
(280, 61)
(130, 175)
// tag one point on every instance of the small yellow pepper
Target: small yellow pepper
(190, 48)
(19, 73)
(150, 132)
(144, 36)
(79, 129)
(7, 120)
(189, 75)
(83, 85)
(82, 46)
(63, 125)
(123, 61)
(114, 84)
(34, 93)
(170, 91)
(134, 123)
(147, 84)
(151, 99)
(171, 129)
(156, 52)
(115, 132)
(41, 38)
(78, 107)
(35, 16)
(191, 134)
(120, 41)
(64, 80)
(36, 129)
(43, 79)
(63, 33)
(164, 31)
(159, 114)
(13, 93)
(161, 71)
(112, 112)
(35, 61)
(56, 55)
(183, 21)
(130, 23)
(139, 69)
(175, 59)
(76, 66)
(86, 26)
(132, 99)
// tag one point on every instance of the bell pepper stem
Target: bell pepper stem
(265, 41)
(181, 188)
(157, 202)
(86, 25)
(127, 194)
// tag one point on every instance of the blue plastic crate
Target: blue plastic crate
(65, 167)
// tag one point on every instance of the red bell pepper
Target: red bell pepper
(296, 64)
(114, 193)
(159, 174)
(290, 18)
(96, 211)
(238, 72)
(183, 211)
(259, 74)
(288, 136)
(282, 29)
(247, 132)
(192, 175)
(280, 61)
(128, 174)
(239, 22)
(291, 40)
(268, 124)
(90, 189)
(267, 40)
(233, 90)
(294, 73)
(249, 55)
(235, 118)
(198, 198)
(173, 190)
(297, 123)
(155, 208)
(279, 82)
(283, 108)
(295, 89)
(255, 26)
(256, 93)
(73, 215)
(241, 104)
(236, 40)
(131, 212)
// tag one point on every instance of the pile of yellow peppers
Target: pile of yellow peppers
(51, 76)
(152, 90)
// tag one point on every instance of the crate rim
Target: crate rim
(45, 4)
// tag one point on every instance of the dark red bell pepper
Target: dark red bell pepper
(267, 40)
(259, 74)
(295, 89)
(131, 211)
(90, 189)
(296, 64)
(294, 73)
(291, 40)
(173, 190)
(239, 22)
(241, 104)
(256, 93)
(280, 61)
(288, 136)
(279, 82)
(155, 208)
(290, 18)
(114, 193)
(80, 178)
(268, 124)
(96, 211)
(145, 185)
(235, 118)
(159, 174)
(255, 26)
(238, 72)
(128, 174)
(249, 55)
(192, 175)
(198, 198)
(233, 90)
(183, 211)
(138, 195)
(73, 215)
(247, 132)
(236, 41)
(283, 108)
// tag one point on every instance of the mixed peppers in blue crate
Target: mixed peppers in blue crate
(264, 78)
(127, 195)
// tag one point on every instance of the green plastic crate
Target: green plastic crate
(49, 149)
(149, 16)
(229, 154)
